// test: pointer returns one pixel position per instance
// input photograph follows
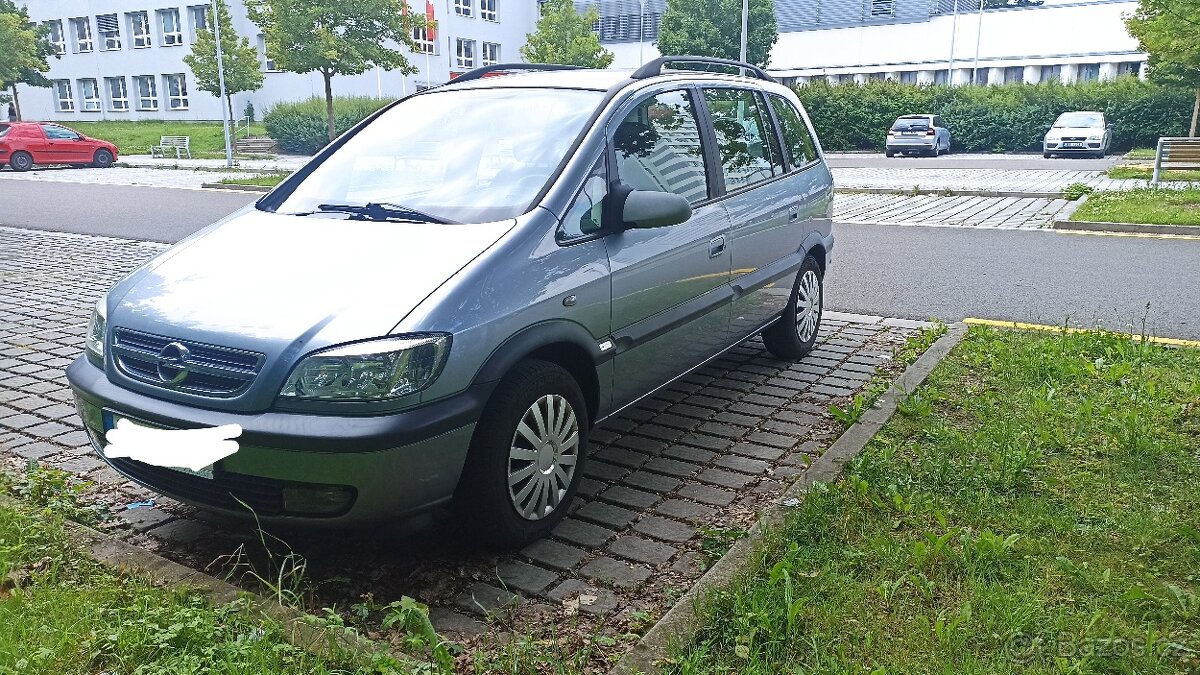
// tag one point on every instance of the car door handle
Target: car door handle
(793, 214)
(716, 246)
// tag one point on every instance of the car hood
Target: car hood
(276, 283)
(1074, 131)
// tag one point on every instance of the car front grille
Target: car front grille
(215, 371)
(230, 491)
(1073, 139)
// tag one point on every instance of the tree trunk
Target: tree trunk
(232, 119)
(329, 104)
(1195, 114)
(17, 104)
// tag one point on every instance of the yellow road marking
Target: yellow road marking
(1176, 342)
(1140, 235)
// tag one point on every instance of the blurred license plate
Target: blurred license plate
(910, 133)
(110, 422)
(1072, 145)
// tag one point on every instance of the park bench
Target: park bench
(1176, 153)
(181, 145)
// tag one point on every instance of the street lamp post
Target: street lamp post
(642, 34)
(953, 36)
(225, 121)
(745, 20)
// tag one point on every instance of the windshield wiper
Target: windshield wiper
(381, 211)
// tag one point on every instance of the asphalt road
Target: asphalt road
(148, 213)
(970, 161)
(912, 272)
(1039, 277)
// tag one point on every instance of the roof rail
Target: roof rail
(655, 67)
(484, 71)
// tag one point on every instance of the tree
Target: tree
(1169, 30)
(239, 60)
(335, 37)
(26, 53)
(565, 36)
(714, 28)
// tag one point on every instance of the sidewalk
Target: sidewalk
(1031, 181)
(287, 163)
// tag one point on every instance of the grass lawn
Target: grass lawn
(1147, 172)
(265, 180)
(63, 613)
(1145, 205)
(1031, 509)
(1142, 153)
(135, 138)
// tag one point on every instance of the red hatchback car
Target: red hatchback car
(23, 144)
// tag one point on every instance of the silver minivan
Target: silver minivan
(440, 305)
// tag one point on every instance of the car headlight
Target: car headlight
(1094, 137)
(96, 328)
(369, 371)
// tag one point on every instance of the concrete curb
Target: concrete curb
(946, 192)
(680, 622)
(237, 188)
(1070, 208)
(299, 629)
(1138, 228)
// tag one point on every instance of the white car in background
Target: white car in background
(1078, 133)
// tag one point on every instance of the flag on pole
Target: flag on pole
(431, 20)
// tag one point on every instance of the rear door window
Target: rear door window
(799, 142)
(746, 141)
(658, 148)
(57, 133)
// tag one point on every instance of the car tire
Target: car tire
(102, 159)
(21, 161)
(794, 335)
(888, 153)
(1046, 155)
(79, 166)
(501, 492)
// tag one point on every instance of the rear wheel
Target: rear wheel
(889, 153)
(102, 159)
(795, 333)
(526, 456)
(1045, 155)
(21, 161)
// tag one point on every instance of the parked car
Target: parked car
(918, 134)
(440, 305)
(24, 144)
(1084, 132)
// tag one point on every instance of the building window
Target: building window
(198, 15)
(172, 35)
(462, 7)
(1051, 73)
(1089, 72)
(423, 43)
(139, 28)
(487, 10)
(56, 36)
(177, 94)
(1014, 74)
(110, 32)
(883, 8)
(268, 62)
(81, 32)
(941, 77)
(908, 77)
(979, 76)
(1133, 68)
(89, 93)
(464, 53)
(62, 92)
(491, 54)
(147, 91)
(118, 94)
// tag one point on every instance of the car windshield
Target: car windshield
(911, 123)
(1079, 120)
(471, 155)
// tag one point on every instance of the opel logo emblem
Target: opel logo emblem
(172, 364)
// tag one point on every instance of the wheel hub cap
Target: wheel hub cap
(542, 457)
(808, 306)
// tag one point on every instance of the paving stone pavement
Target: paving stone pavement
(1001, 180)
(150, 177)
(933, 210)
(663, 479)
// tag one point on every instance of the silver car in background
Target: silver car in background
(919, 135)
(440, 305)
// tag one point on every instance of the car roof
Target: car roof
(593, 79)
(915, 117)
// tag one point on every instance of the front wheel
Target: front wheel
(21, 161)
(795, 333)
(889, 153)
(1045, 155)
(526, 456)
(102, 159)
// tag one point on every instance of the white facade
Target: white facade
(87, 77)
(1070, 40)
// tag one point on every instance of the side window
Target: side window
(799, 142)
(57, 133)
(658, 147)
(585, 215)
(745, 138)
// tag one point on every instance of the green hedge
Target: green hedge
(994, 119)
(300, 127)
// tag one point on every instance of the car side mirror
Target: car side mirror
(650, 208)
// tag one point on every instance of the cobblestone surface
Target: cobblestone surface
(932, 210)
(146, 176)
(1004, 180)
(699, 458)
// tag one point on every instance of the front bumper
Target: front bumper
(1057, 147)
(391, 465)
